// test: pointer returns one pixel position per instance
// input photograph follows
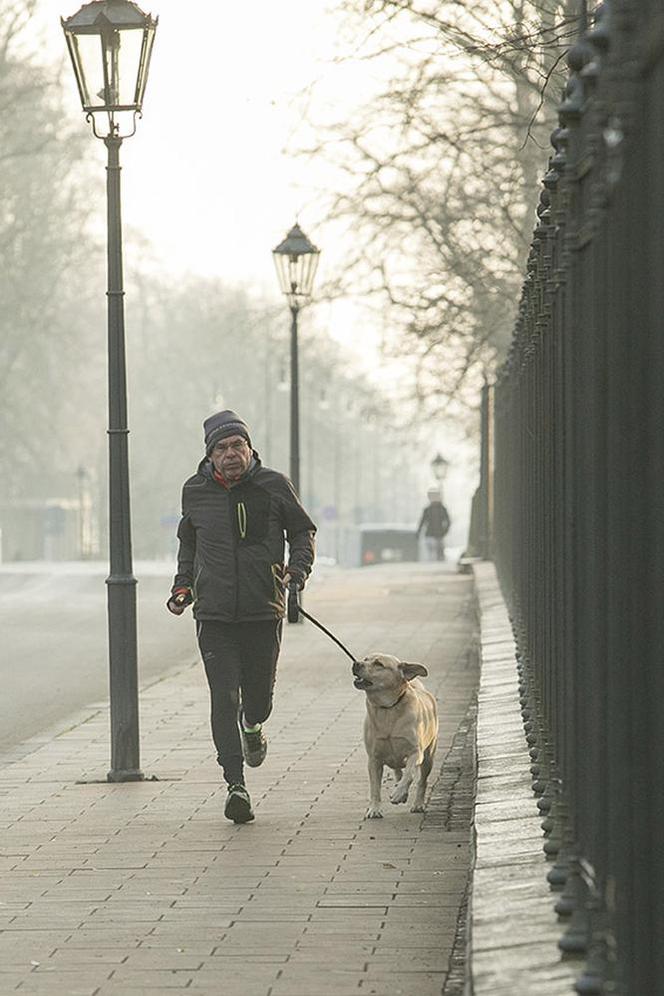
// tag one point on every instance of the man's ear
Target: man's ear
(410, 671)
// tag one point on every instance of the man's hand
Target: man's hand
(179, 601)
(287, 579)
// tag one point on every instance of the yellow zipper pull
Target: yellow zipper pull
(242, 519)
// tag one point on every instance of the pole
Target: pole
(121, 584)
(295, 423)
(267, 436)
(80, 473)
(295, 405)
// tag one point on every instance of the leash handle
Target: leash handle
(293, 607)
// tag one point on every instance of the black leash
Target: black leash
(295, 609)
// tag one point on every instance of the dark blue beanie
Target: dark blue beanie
(223, 424)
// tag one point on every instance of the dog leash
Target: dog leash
(295, 610)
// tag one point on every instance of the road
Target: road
(53, 649)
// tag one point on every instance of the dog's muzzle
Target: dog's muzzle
(360, 681)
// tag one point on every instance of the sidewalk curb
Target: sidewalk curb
(78, 718)
(514, 933)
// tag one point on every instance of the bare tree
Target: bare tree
(438, 172)
(47, 366)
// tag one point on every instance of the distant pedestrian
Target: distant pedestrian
(236, 515)
(435, 523)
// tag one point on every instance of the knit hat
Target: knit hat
(223, 424)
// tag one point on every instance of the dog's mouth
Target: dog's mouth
(362, 683)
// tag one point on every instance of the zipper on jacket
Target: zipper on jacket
(234, 541)
(242, 519)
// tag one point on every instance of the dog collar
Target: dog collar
(396, 702)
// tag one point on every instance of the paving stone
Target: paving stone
(73, 984)
(152, 978)
(67, 956)
(301, 979)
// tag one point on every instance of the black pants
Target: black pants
(241, 665)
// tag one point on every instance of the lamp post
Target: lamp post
(439, 468)
(296, 260)
(110, 44)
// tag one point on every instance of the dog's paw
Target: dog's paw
(373, 813)
(418, 807)
(398, 795)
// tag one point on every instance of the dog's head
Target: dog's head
(383, 672)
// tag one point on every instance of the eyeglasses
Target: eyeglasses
(229, 446)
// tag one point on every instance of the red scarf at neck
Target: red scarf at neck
(220, 479)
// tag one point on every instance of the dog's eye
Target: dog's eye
(378, 664)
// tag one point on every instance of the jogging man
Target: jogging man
(236, 516)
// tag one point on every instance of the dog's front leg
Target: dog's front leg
(400, 790)
(375, 781)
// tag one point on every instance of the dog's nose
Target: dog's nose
(356, 668)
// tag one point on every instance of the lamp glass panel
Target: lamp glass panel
(129, 64)
(281, 266)
(87, 52)
(308, 272)
(146, 55)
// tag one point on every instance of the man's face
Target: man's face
(231, 457)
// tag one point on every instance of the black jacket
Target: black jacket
(435, 520)
(232, 543)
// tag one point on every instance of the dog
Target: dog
(400, 728)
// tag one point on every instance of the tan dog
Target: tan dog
(400, 729)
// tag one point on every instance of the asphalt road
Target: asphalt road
(53, 641)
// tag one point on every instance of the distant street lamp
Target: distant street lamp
(296, 260)
(439, 467)
(110, 44)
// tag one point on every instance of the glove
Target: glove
(179, 600)
(293, 577)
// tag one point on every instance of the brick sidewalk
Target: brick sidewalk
(145, 888)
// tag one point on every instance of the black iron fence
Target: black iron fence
(579, 502)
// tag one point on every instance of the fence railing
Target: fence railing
(579, 501)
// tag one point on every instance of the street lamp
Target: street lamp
(110, 44)
(439, 467)
(296, 260)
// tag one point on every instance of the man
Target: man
(435, 522)
(235, 515)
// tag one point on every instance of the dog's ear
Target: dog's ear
(410, 671)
